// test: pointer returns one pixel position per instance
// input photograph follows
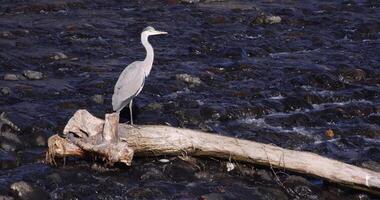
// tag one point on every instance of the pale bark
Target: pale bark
(153, 140)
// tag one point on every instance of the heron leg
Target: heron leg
(130, 111)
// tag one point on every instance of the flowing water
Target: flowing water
(308, 82)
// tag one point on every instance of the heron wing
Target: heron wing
(129, 84)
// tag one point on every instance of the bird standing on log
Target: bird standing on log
(132, 79)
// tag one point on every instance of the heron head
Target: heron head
(151, 31)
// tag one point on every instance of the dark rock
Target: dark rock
(8, 160)
(54, 178)
(212, 196)
(264, 174)
(10, 141)
(26, 191)
(33, 75)
(353, 74)
(372, 165)
(212, 112)
(154, 106)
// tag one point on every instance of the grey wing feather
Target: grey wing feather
(129, 84)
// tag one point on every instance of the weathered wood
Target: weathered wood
(152, 140)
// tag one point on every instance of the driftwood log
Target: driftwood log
(86, 134)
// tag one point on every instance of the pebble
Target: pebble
(5, 91)
(26, 191)
(59, 56)
(33, 75)
(98, 98)
(11, 77)
(195, 81)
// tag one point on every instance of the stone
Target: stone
(264, 174)
(265, 19)
(26, 191)
(54, 178)
(11, 77)
(40, 141)
(154, 106)
(98, 98)
(273, 19)
(7, 160)
(33, 75)
(195, 81)
(59, 56)
(5, 91)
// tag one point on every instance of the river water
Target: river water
(302, 75)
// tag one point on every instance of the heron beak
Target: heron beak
(159, 33)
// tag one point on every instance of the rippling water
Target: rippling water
(284, 83)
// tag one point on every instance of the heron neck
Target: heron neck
(148, 61)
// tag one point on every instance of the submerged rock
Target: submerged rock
(33, 75)
(265, 19)
(7, 160)
(26, 191)
(98, 98)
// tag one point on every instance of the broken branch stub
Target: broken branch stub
(153, 140)
(96, 136)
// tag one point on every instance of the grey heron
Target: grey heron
(132, 79)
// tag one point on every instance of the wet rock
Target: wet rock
(353, 74)
(5, 91)
(98, 98)
(301, 186)
(264, 174)
(212, 196)
(7, 160)
(152, 174)
(194, 81)
(264, 19)
(59, 56)
(10, 141)
(212, 112)
(54, 178)
(11, 77)
(40, 140)
(154, 106)
(33, 75)
(372, 165)
(27, 191)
